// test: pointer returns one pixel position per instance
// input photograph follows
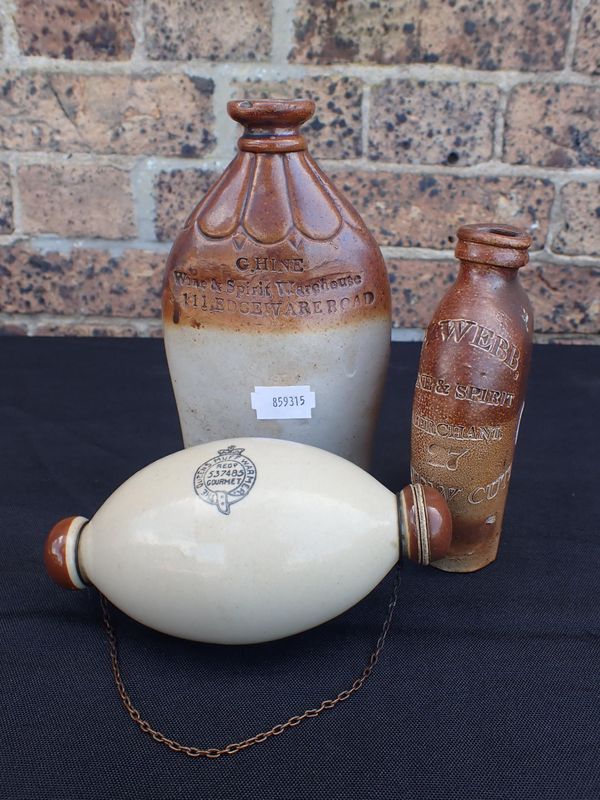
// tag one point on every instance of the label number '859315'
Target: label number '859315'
(283, 402)
(288, 401)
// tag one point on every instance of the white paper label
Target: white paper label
(282, 402)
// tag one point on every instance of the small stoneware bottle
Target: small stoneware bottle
(276, 303)
(470, 390)
(246, 540)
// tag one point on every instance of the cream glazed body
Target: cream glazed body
(301, 537)
(275, 281)
(246, 540)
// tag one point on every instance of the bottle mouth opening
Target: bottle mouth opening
(493, 244)
(495, 234)
(284, 113)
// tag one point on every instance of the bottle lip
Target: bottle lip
(494, 244)
(271, 126)
(496, 234)
(60, 553)
(284, 113)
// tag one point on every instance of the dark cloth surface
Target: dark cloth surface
(489, 683)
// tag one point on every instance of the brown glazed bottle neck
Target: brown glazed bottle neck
(271, 126)
(493, 245)
(475, 274)
(491, 253)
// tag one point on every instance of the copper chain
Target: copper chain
(235, 747)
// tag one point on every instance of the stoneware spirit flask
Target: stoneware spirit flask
(246, 540)
(276, 304)
(470, 390)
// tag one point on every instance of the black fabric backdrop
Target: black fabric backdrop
(488, 686)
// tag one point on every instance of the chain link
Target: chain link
(236, 747)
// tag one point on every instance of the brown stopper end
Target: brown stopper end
(425, 523)
(494, 244)
(271, 125)
(60, 552)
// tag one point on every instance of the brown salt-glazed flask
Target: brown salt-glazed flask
(470, 390)
(276, 304)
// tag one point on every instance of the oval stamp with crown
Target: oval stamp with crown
(225, 479)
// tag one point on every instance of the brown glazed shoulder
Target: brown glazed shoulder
(483, 317)
(274, 247)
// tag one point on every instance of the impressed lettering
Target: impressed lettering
(482, 338)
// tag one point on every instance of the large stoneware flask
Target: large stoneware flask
(470, 390)
(276, 302)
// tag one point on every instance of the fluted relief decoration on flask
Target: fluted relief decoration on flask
(470, 390)
(276, 303)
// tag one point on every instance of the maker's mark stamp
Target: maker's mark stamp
(225, 479)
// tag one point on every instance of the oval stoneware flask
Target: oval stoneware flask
(276, 304)
(246, 540)
(470, 390)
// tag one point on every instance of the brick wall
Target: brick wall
(430, 114)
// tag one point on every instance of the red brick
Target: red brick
(335, 131)
(587, 48)
(106, 328)
(432, 123)
(6, 204)
(83, 282)
(553, 125)
(417, 288)
(425, 210)
(13, 329)
(82, 29)
(565, 298)
(487, 35)
(72, 200)
(232, 30)
(167, 115)
(580, 230)
(566, 338)
(176, 194)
